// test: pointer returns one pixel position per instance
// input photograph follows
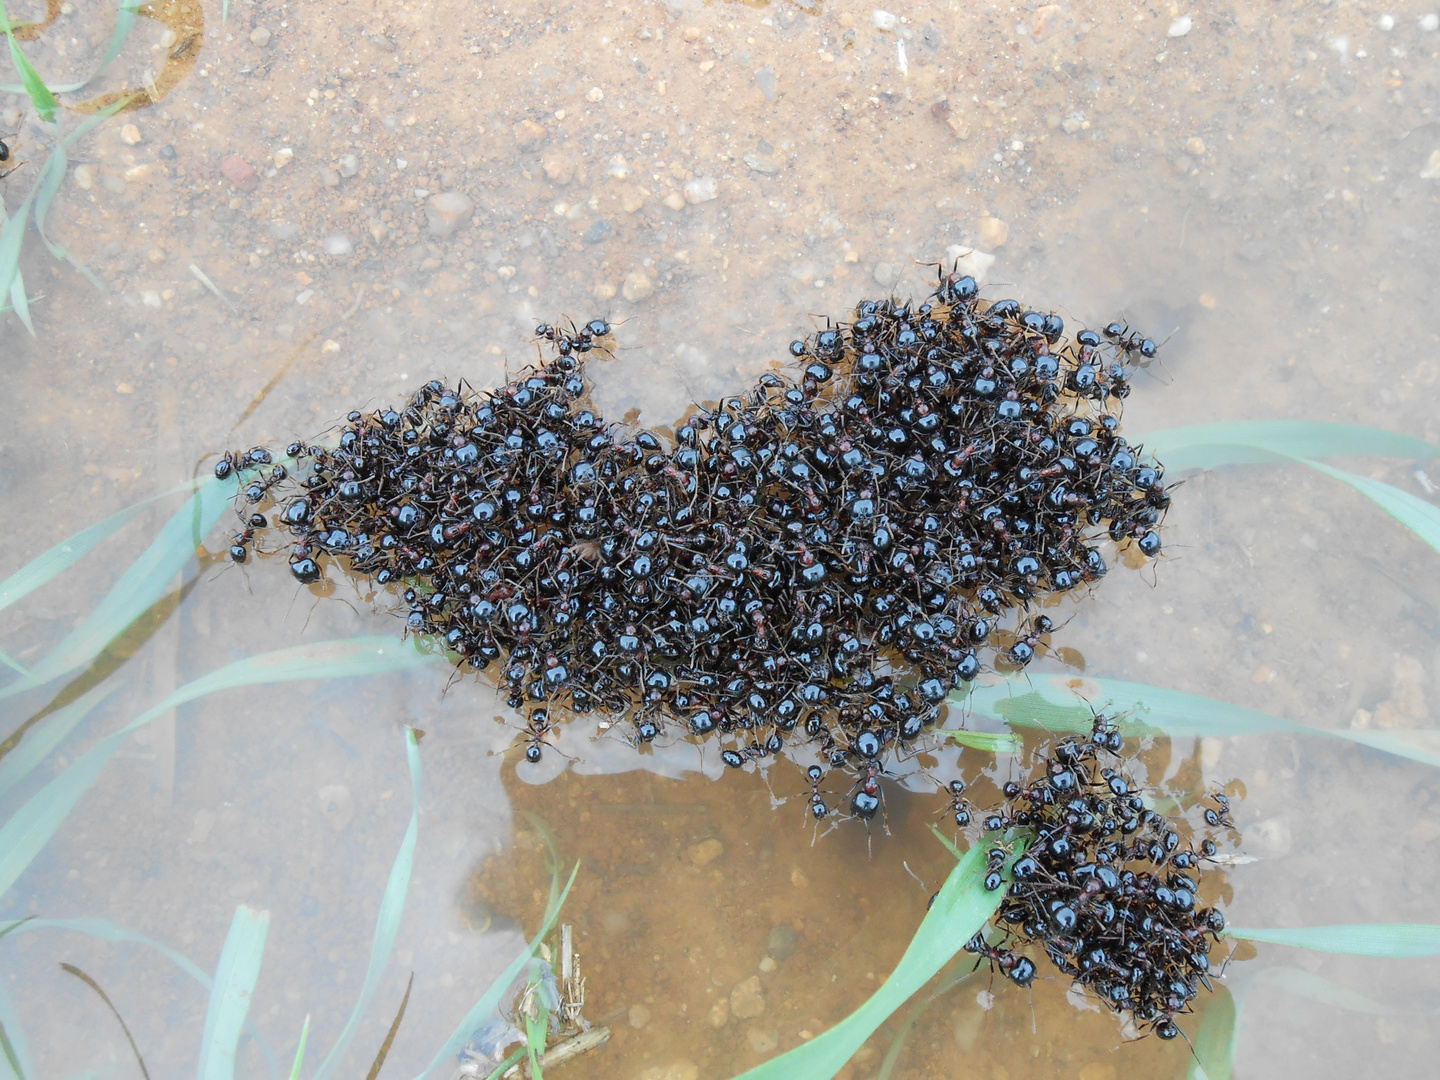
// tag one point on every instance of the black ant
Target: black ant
(1131, 341)
(815, 775)
(5, 156)
(1023, 650)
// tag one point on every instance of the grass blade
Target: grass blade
(1311, 987)
(11, 1057)
(390, 1035)
(105, 930)
(12, 1039)
(12, 235)
(30, 829)
(1209, 446)
(68, 552)
(300, 1050)
(1388, 940)
(960, 910)
(124, 23)
(230, 999)
(1216, 1038)
(387, 923)
(88, 981)
(1050, 702)
(490, 1001)
(147, 579)
(992, 742)
(40, 95)
(1420, 517)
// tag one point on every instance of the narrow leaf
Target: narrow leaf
(88, 981)
(30, 828)
(230, 999)
(1208, 446)
(124, 23)
(1417, 515)
(1214, 1043)
(390, 1035)
(992, 742)
(960, 910)
(1312, 987)
(40, 95)
(1388, 940)
(47, 734)
(387, 923)
(300, 1050)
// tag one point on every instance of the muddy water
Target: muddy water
(715, 179)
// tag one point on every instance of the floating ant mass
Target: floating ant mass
(836, 548)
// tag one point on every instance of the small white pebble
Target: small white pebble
(767, 965)
(1386, 22)
(883, 20)
(1180, 27)
(595, 95)
(337, 245)
(1430, 23)
(330, 346)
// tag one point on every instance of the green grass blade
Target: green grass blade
(1417, 515)
(1047, 701)
(1215, 1040)
(1209, 446)
(105, 930)
(47, 735)
(490, 1001)
(992, 742)
(503, 1067)
(49, 185)
(387, 923)
(1388, 940)
(960, 910)
(14, 665)
(147, 579)
(30, 828)
(300, 1050)
(230, 999)
(20, 303)
(68, 552)
(379, 1062)
(124, 23)
(12, 235)
(40, 95)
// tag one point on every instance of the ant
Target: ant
(5, 156)
(1017, 968)
(1129, 341)
(815, 775)
(1023, 651)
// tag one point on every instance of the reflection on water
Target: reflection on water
(386, 194)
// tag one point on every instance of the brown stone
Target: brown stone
(239, 172)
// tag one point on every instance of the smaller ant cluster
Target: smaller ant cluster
(1106, 886)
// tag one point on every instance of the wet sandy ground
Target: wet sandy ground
(1258, 189)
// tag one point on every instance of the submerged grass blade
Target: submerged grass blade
(124, 23)
(1388, 940)
(1051, 702)
(300, 1050)
(1420, 517)
(960, 910)
(88, 981)
(40, 96)
(390, 1035)
(30, 829)
(11, 1057)
(387, 923)
(1214, 1044)
(1312, 987)
(105, 930)
(490, 1001)
(12, 235)
(230, 999)
(147, 579)
(49, 732)
(1209, 446)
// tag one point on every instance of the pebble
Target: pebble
(348, 165)
(337, 245)
(597, 232)
(156, 255)
(446, 211)
(637, 286)
(701, 189)
(886, 274)
(617, 167)
(765, 80)
(704, 852)
(747, 1000)
(781, 942)
(260, 37)
(767, 965)
(329, 177)
(337, 804)
(1180, 27)
(679, 1070)
(130, 135)
(719, 1014)
(1195, 146)
(761, 1040)
(971, 261)
(1431, 169)
(761, 164)
(692, 33)
(85, 177)
(378, 229)
(639, 1016)
(632, 198)
(283, 157)
(595, 95)
(167, 152)
(330, 347)
(284, 230)
(558, 166)
(883, 20)
(675, 201)
(239, 172)
(1430, 23)
(993, 232)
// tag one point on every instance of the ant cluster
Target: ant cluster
(761, 577)
(1104, 885)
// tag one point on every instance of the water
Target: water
(1257, 190)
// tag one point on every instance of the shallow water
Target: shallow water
(1251, 190)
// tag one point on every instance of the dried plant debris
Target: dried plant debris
(824, 558)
